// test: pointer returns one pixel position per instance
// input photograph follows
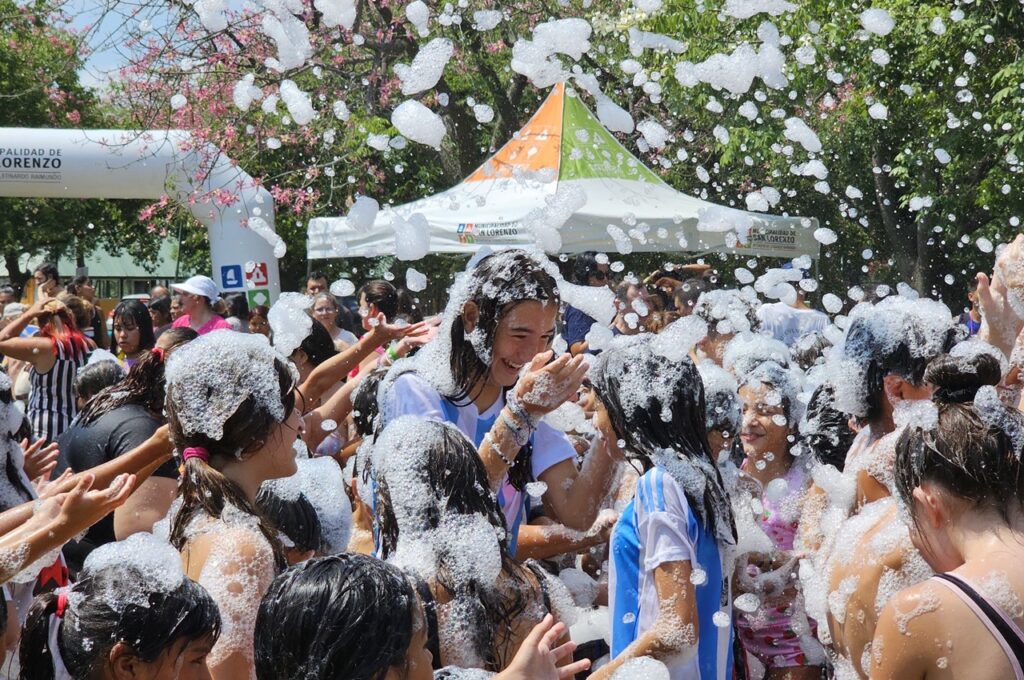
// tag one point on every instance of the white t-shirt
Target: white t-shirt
(658, 527)
(786, 324)
(412, 395)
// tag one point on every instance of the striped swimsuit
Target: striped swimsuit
(51, 404)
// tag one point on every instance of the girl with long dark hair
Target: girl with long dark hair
(122, 619)
(231, 408)
(669, 589)
(113, 423)
(858, 547)
(317, 618)
(489, 372)
(777, 632)
(132, 332)
(961, 479)
(437, 519)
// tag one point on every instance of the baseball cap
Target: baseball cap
(199, 285)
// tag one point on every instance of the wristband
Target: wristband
(518, 410)
(494, 447)
(521, 433)
(392, 353)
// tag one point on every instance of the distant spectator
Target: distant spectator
(258, 320)
(316, 282)
(686, 294)
(159, 292)
(7, 296)
(198, 296)
(133, 332)
(238, 312)
(176, 308)
(160, 313)
(326, 311)
(54, 354)
(83, 287)
(971, 318)
(586, 271)
(47, 279)
(631, 308)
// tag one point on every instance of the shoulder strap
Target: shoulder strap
(542, 579)
(1005, 632)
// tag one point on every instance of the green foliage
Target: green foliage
(39, 61)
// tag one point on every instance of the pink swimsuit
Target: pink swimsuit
(768, 632)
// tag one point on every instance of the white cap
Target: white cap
(199, 285)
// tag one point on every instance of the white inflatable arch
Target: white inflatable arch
(46, 163)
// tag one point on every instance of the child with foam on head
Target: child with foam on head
(132, 614)
(490, 372)
(317, 617)
(233, 418)
(960, 482)
(670, 578)
(438, 520)
(772, 624)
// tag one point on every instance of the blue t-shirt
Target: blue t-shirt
(655, 528)
(575, 325)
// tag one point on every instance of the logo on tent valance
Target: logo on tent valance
(470, 233)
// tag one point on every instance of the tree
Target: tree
(904, 143)
(39, 61)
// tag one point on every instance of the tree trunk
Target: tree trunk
(14, 272)
(902, 237)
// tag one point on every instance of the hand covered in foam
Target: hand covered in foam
(543, 387)
(1000, 322)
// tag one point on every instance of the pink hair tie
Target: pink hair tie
(196, 452)
(159, 352)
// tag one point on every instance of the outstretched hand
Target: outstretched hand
(39, 460)
(546, 386)
(539, 655)
(385, 332)
(83, 506)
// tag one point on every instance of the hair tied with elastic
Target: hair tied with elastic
(62, 603)
(196, 452)
(159, 353)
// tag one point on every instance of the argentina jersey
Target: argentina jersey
(658, 527)
(412, 395)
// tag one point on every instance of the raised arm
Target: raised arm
(55, 521)
(140, 462)
(334, 370)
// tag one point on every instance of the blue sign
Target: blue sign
(231, 275)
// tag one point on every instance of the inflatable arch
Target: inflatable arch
(46, 163)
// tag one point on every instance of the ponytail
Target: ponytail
(204, 489)
(69, 633)
(145, 384)
(34, 653)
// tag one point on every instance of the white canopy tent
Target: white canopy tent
(565, 168)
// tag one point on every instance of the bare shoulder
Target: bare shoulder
(908, 631)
